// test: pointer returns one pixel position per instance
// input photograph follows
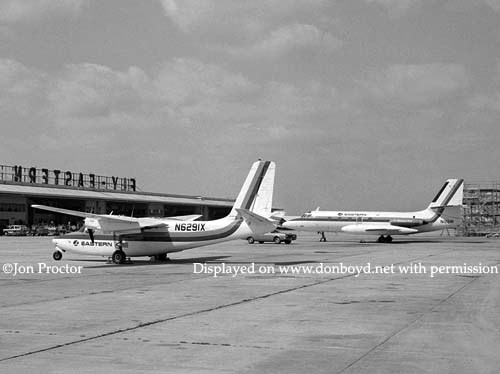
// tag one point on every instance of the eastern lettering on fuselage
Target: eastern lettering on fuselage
(189, 227)
(88, 243)
(352, 214)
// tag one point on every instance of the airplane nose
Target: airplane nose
(59, 243)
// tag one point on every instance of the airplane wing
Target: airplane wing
(108, 223)
(192, 217)
(64, 211)
(378, 229)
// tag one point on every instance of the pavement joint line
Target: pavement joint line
(441, 302)
(95, 293)
(219, 307)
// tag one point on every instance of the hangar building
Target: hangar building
(20, 187)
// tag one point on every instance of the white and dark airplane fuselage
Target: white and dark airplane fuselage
(175, 236)
(442, 213)
(372, 223)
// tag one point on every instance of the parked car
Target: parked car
(275, 236)
(16, 230)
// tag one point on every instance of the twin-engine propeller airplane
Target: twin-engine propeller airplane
(442, 213)
(121, 237)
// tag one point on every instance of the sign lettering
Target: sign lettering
(32, 175)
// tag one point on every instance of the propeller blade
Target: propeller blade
(91, 234)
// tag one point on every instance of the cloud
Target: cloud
(395, 7)
(90, 90)
(21, 89)
(183, 95)
(17, 79)
(286, 39)
(206, 96)
(416, 84)
(256, 29)
(493, 4)
(182, 81)
(398, 8)
(244, 19)
(483, 102)
(25, 11)
(185, 14)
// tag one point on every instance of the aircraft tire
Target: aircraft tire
(118, 257)
(388, 239)
(277, 240)
(57, 255)
(250, 240)
(161, 257)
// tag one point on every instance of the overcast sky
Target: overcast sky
(363, 104)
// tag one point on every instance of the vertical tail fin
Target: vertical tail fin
(256, 194)
(451, 194)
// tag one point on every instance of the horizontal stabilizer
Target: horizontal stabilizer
(257, 222)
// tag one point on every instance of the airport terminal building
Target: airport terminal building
(20, 187)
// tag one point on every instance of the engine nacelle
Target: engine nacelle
(407, 222)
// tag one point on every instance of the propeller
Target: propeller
(91, 234)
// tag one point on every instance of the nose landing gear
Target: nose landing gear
(118, 257)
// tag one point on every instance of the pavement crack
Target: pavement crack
(220, 307)
(406, 326)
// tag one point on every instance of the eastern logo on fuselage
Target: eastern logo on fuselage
(88, 243)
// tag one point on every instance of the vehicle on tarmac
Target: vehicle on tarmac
(15, 230)
(275, 236)
(121, 237)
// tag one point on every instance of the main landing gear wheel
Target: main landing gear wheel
(118, 257)
(57, 255)
(161, 257)
(384, 239)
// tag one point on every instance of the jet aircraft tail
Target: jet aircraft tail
(450, 195)
(256, 194)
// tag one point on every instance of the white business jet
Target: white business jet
(121, 237)
(442, 213)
